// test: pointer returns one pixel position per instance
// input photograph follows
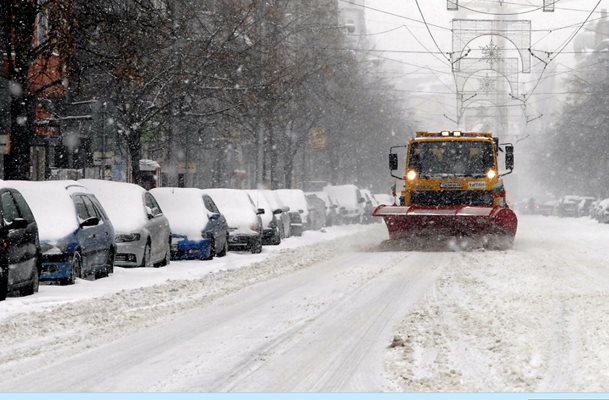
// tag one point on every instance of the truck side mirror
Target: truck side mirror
(393, 161)
(509, 157)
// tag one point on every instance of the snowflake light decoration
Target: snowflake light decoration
(491, 53)
(487, 84)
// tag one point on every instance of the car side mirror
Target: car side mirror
(260, 211)
(149, 213)
(17, 223)
(92, 221)
(361, 200)
(509, 157)
(277, 211)
(393, 161)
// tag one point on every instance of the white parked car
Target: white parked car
(242, 217)
(299, 209)
(283, 219)
(350, 200)
(270, 225)
(141, 231)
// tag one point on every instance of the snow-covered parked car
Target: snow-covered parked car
(299, 209)
(317, 212)
(283, 218)
(369, 205)
(270, 224)
(20, 260)
(602, 212)
(567, 206)
(350, 200)
(76, 235)
(198, 229)
(141, 231)
(242, 217)
(584, 207)
(331, 208)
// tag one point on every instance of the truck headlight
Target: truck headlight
(411, 175)
(491, 174)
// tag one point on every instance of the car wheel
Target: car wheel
(256, 246)
(110, 262)
(75, 271)
(276, 238)
(4, 285)
(146, 256)
(167, 258)
(34, 284)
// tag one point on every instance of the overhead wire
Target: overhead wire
(560, 49)
(429, 31)
(393, 14)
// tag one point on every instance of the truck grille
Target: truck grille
(452, 198)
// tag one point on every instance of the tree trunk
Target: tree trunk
(17, 163)
(135, 152)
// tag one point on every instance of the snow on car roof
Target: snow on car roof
(346, 195)
(295, 199)
(184, 209)
(236, 206)
(274, 199)
(123, 202)
(51, 205)
(322, 195)
(260, 201)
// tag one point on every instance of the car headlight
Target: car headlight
(254, 227)
(127, 237)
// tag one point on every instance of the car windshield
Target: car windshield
(451, 158)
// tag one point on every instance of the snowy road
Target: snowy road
(320, 318)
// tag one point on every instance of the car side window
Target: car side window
(98, 209)
(9, 207)
(89, 206)
(24, 209)
(81, 209)
(152, 204)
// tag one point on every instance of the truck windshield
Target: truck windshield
(451, 158)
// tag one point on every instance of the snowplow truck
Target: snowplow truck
(453, 188)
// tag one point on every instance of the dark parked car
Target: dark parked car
(198, 229)
(76, 236)
(242, 217)
(20, 250)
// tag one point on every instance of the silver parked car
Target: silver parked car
(142, 233)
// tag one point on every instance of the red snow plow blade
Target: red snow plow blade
(417, 221)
